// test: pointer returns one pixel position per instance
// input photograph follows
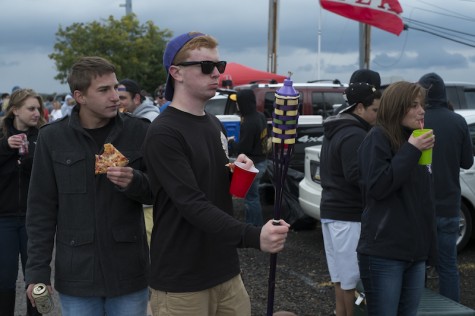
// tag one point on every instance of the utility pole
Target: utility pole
(319, 42)
(128, 7)
(272, 36)
(365, 45)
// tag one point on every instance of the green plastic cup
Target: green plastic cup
(426, 157)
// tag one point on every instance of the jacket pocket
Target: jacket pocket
(70, 171)
(131, 252)
(75, 255)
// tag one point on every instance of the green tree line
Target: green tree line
(135, 49)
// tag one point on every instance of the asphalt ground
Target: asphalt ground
(302, 283)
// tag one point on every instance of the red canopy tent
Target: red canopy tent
(240, 74)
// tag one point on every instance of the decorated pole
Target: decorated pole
(284, 133)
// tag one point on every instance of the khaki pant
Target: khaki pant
(148, 216)
(227, 299)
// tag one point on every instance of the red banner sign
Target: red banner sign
(383, 14)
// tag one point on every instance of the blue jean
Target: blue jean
(133, 304)
(13, 242)
(252, 201)
(447, 268)
(392, 287)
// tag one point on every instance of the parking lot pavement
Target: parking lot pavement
(302, 281)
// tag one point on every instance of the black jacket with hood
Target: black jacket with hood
(15, 171)
(452, 149)
(253, 130)
(398, 220)
(341, 195)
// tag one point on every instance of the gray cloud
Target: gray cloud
(28, 27)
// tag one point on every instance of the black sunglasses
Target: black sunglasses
(207, 66)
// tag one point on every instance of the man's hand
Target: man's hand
(120, 176)
(248, 163)
(273, 236)
(29, 292)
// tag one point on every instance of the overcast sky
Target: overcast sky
(28, 27)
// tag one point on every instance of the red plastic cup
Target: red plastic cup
(242, 179)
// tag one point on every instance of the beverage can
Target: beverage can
(23, 150)
(43, 300)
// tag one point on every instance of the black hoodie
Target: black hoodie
(341, 195)
(452, 149)
(253, 130)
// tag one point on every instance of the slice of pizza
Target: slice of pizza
(111, 157)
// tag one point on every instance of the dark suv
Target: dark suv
(317, 101)
(461, 95)
(316, 98)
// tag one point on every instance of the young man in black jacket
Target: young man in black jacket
(95, 220)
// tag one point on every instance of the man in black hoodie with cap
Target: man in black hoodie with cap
(342, 204)
(452, 152)
(362, 75)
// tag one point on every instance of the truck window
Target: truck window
(322, 102)
(216, 106)
(269, 104)
(471, 129)
(470, 98)
(453, 97)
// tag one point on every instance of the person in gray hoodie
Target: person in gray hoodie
(452, 152)
(132, 101)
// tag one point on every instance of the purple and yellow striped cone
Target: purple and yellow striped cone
(284, 134)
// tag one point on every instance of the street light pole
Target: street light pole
(128, 6)
(272, 36)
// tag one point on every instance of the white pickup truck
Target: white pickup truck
(310, 190)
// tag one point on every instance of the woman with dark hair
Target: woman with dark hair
(22, 120)
(398, 221)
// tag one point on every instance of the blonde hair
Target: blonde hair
(17, 100)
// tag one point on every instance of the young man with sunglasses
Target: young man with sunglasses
(194, 259)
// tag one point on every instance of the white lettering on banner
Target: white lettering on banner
(390, 6)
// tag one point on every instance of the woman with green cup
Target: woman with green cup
(398, 221)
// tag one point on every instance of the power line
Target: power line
(457, 15)
(438, 35)
(460, 37)
(439, 27)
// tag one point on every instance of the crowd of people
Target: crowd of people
(177, 162)
(161, 232)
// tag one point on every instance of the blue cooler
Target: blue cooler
(232, 124)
